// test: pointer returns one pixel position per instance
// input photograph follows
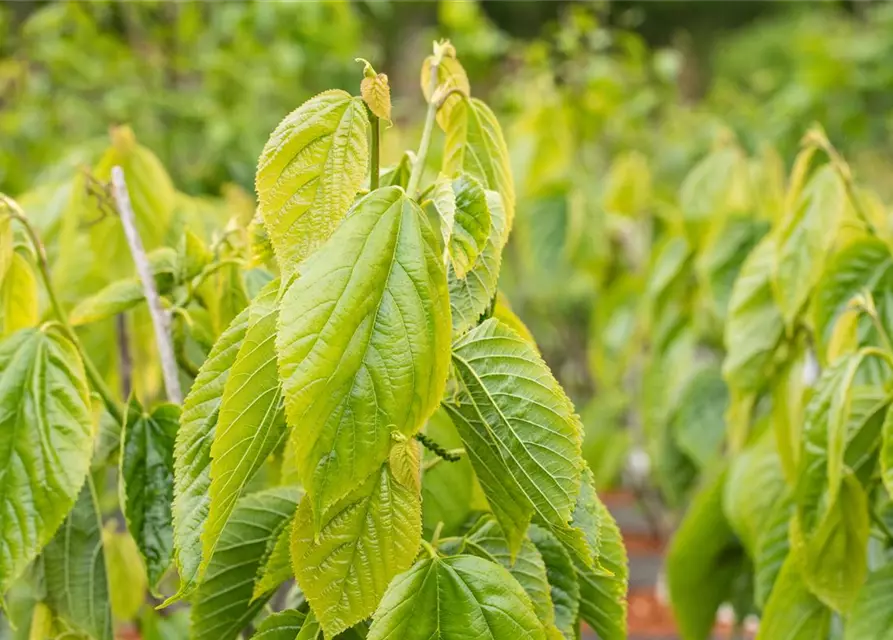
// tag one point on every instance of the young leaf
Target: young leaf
(805, 236)
(18, 296)
(363, 344)
(377, 95)
(755, 324)
(283, 625)
(365, 540)
(250, 422)
(602, 588)
(223, 604)
(454, 599)
(520, 432)
(309, 172)
(562, 578)
(474, 144)
(75, 570)
(792, 612)
(487, 541)
(192, 451)
(46, 441)
(471, 296)
(703, 560)
(147, 482)
(467, 216)
(871, 617)
(450, 75)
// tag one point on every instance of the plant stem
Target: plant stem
(846, 175)
(160, 317)
(375, 161)
(43, 268)
(432, 446)
(419, 167)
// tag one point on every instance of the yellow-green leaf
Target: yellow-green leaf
(363, 344)
(793, 612)
(364, 541)
(450, 75)
(18, 296)
(310, 171)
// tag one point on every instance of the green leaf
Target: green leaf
(447, 486)
(275, 568)
(603, 592)
(251, 420)
(871, 617)
(562, 578)
(309, 172)
(46, 443)
(470, 224)
(792, 612)
(864, 265)
(703, 561)
(486, 540)
(886, 454)
(829, 418)
(755, 325)
(365, 540)
(754, 484)
(772, 547)
(363, 344)
(474, 143)
(7, 238)
(398, 175)
(192, 451)
(833, 557)
(147, 482)
(311, 629)
(698, 424)
(121, 295)
(450, 75)
(18, 296)
(520, 431)
(471, 296)
(223, 604)
(788, 393)
(454, 599)
(714, 186)
(283, 625)
(75, 570)
(805, 236)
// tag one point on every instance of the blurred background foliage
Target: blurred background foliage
(632, 126)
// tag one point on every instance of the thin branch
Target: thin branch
(160, 317)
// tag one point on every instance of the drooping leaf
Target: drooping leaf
(283, 625)
(788, 391)
(792, 612)
(470, 230)
(603, 588)
(703, 561)
(46, 443)
(470, 296)
(520, 431)
(192, 451)
(475, 144)
(864, 265)
(223, 604)
(75, 570)
(871, 617)
(147, 482)
(251, 421)
(806, 233)
(833, 557)
(755, 324)
(377, 95)
(364, 540)
(454, 599)
(487, 540)
(562, 577)
(18, 296)
(309, 172)
(715, 186)
(363, 344)
(698, 424)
